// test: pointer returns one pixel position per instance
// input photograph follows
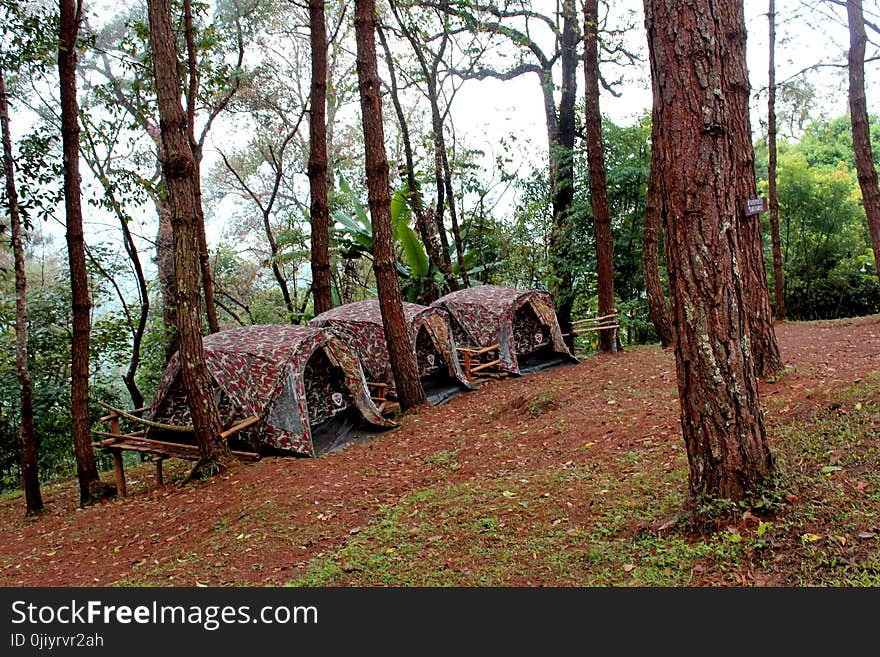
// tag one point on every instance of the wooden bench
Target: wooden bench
(485, 360)
(383, 398)
(115, 443)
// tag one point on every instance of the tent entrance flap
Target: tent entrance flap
(326, 391)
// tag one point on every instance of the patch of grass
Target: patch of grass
(541, 404)
(445, 460)
(781, 374)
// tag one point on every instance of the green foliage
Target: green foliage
(49, 360)
(353, 237)
(826, 249)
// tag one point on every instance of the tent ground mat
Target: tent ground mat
(542, 360)
(341, 430)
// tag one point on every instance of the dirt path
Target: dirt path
(262, 524)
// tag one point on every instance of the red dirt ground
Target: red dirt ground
(303, 508)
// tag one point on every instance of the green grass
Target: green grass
(598, 525)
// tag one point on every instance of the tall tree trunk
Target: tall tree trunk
(179, 169)
(191, 98)
(778, 276)
(858, 111)
(735, 78)
(424, 225)
(718, 391)
(317, 168)
(561, 134)
(30, 472)
(164, 260)
(403, 363)
(657, 306)
(596, 163)
(90, 486)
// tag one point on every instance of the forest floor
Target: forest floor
(573, 476)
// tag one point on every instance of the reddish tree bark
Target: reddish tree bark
(90, 486)
(657, 306)
(858, 110)
(30, 473)
(317, 168)
(403, 363)
(721, 418)
(735, 81)
(596, 164)
(179, 169)
(773, 198)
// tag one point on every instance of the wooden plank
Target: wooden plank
(244, 424)
(115, 437)
(594, 319)
(483, 366)
(478, 351)
(140, 444)
(149, 423)
(165, 452)
(596, 328)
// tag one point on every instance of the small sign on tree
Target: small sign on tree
(756, 206)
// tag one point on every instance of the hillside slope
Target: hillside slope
(571, 476)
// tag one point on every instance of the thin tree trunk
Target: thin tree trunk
(735, 78)
(596, 163)
(139, 328)
(30, 471)
(858, 111)
(427, 231)
(90, 486)
(721, 417)
(778, 276)
(657, 306)
(433, 235)
(191, 97)
(453, 210)
(561, 134)
(317, 168)
(179, 168)
(403, 364)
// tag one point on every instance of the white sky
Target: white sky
(485, 111)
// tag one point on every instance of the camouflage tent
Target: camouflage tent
(296, 379)
(360, 325)
(522, 322)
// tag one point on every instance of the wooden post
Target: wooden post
(160, 480)
(119, 473)
(118, 470)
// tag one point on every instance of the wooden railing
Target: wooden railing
(479, 359)
(608, 322)
(115, 442)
